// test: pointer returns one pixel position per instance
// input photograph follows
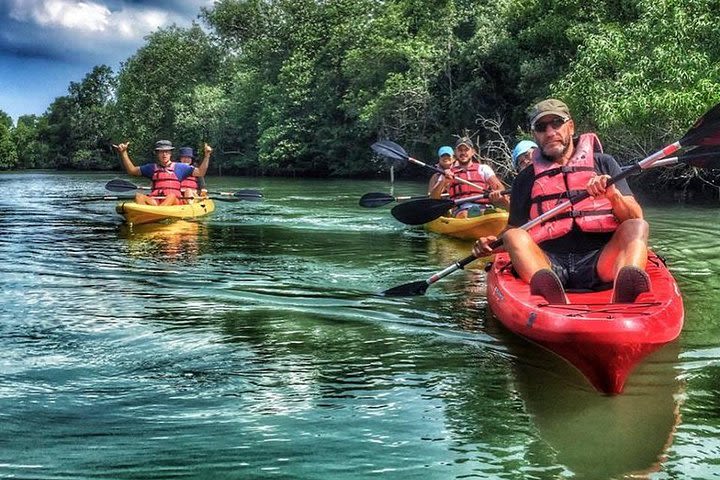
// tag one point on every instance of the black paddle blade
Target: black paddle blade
(705, 131)
(375, 199)
(413, 289)
(424, 210)
(386, 148)
(702, 157)
(394, 154)
(120, 185)
(248, 195)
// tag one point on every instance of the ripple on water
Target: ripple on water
(251, 344)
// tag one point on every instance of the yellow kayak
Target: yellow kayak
(472, 228)
(136, 214)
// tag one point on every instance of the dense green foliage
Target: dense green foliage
(303, 87)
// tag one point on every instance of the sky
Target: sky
(46, 44)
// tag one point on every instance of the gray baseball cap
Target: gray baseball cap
(163, 145)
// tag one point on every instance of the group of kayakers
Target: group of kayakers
(173, 182)
(594, 244)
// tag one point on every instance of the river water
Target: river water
(250, 345)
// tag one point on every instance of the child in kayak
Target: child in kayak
(191, 186)
(446, 158)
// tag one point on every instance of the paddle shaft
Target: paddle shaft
(121, 185)
(442, 172)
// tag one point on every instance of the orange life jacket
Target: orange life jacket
(555, 184)
(165, 181)
(458, 191)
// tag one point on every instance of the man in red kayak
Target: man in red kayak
(600, 240)
(165, 174)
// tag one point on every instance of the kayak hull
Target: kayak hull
(137, 214)
(602, 340)
(470, 228)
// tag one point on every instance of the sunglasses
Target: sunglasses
(555, 123)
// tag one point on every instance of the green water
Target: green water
(250, 345)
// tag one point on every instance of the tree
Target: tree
(168, 68)
(8, 153)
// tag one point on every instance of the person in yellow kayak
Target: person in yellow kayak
(192, 186)
(467, 168)
(446, 158)
(600, 240)
(165, 174)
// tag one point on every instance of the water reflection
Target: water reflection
(179, 240)
(592, 435)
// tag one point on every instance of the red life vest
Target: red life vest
(189, 183)
(165, 181)
(459, 190)
(555, 184)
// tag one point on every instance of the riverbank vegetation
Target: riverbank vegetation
(303, 87)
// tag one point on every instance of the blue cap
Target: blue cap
(185, 152)
(445, 151)
(521, 148)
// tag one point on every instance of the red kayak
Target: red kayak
(601, 339)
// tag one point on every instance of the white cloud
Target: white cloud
(137, 23)
(85, 17)
(69, 14)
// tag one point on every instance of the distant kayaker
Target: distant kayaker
(165, 174)
(478, 173)
(600, 240)
(191, 186)
(446, 158)
(522, 154)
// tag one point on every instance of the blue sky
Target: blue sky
(46, 44)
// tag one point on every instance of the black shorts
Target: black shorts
(578, 271)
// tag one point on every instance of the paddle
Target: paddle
(705, 132)
(116, 198)
(379, 199)
(424, 210)
(389, 149)
(121, 185)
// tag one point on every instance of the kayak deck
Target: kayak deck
(470, 228)
(137, 214)
(601, 339)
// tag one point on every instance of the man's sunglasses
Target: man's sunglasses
(555, 123)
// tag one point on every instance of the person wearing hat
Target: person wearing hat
(446, 158)
(598, 242)
(467, 169)
(192, 186)
(522, 154)
(165, 174)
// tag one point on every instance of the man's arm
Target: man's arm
(624, 205)
(202, 169)
(130, 168)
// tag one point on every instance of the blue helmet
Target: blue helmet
(521, 148)
(445, 151)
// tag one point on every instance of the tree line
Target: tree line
(303, 87)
